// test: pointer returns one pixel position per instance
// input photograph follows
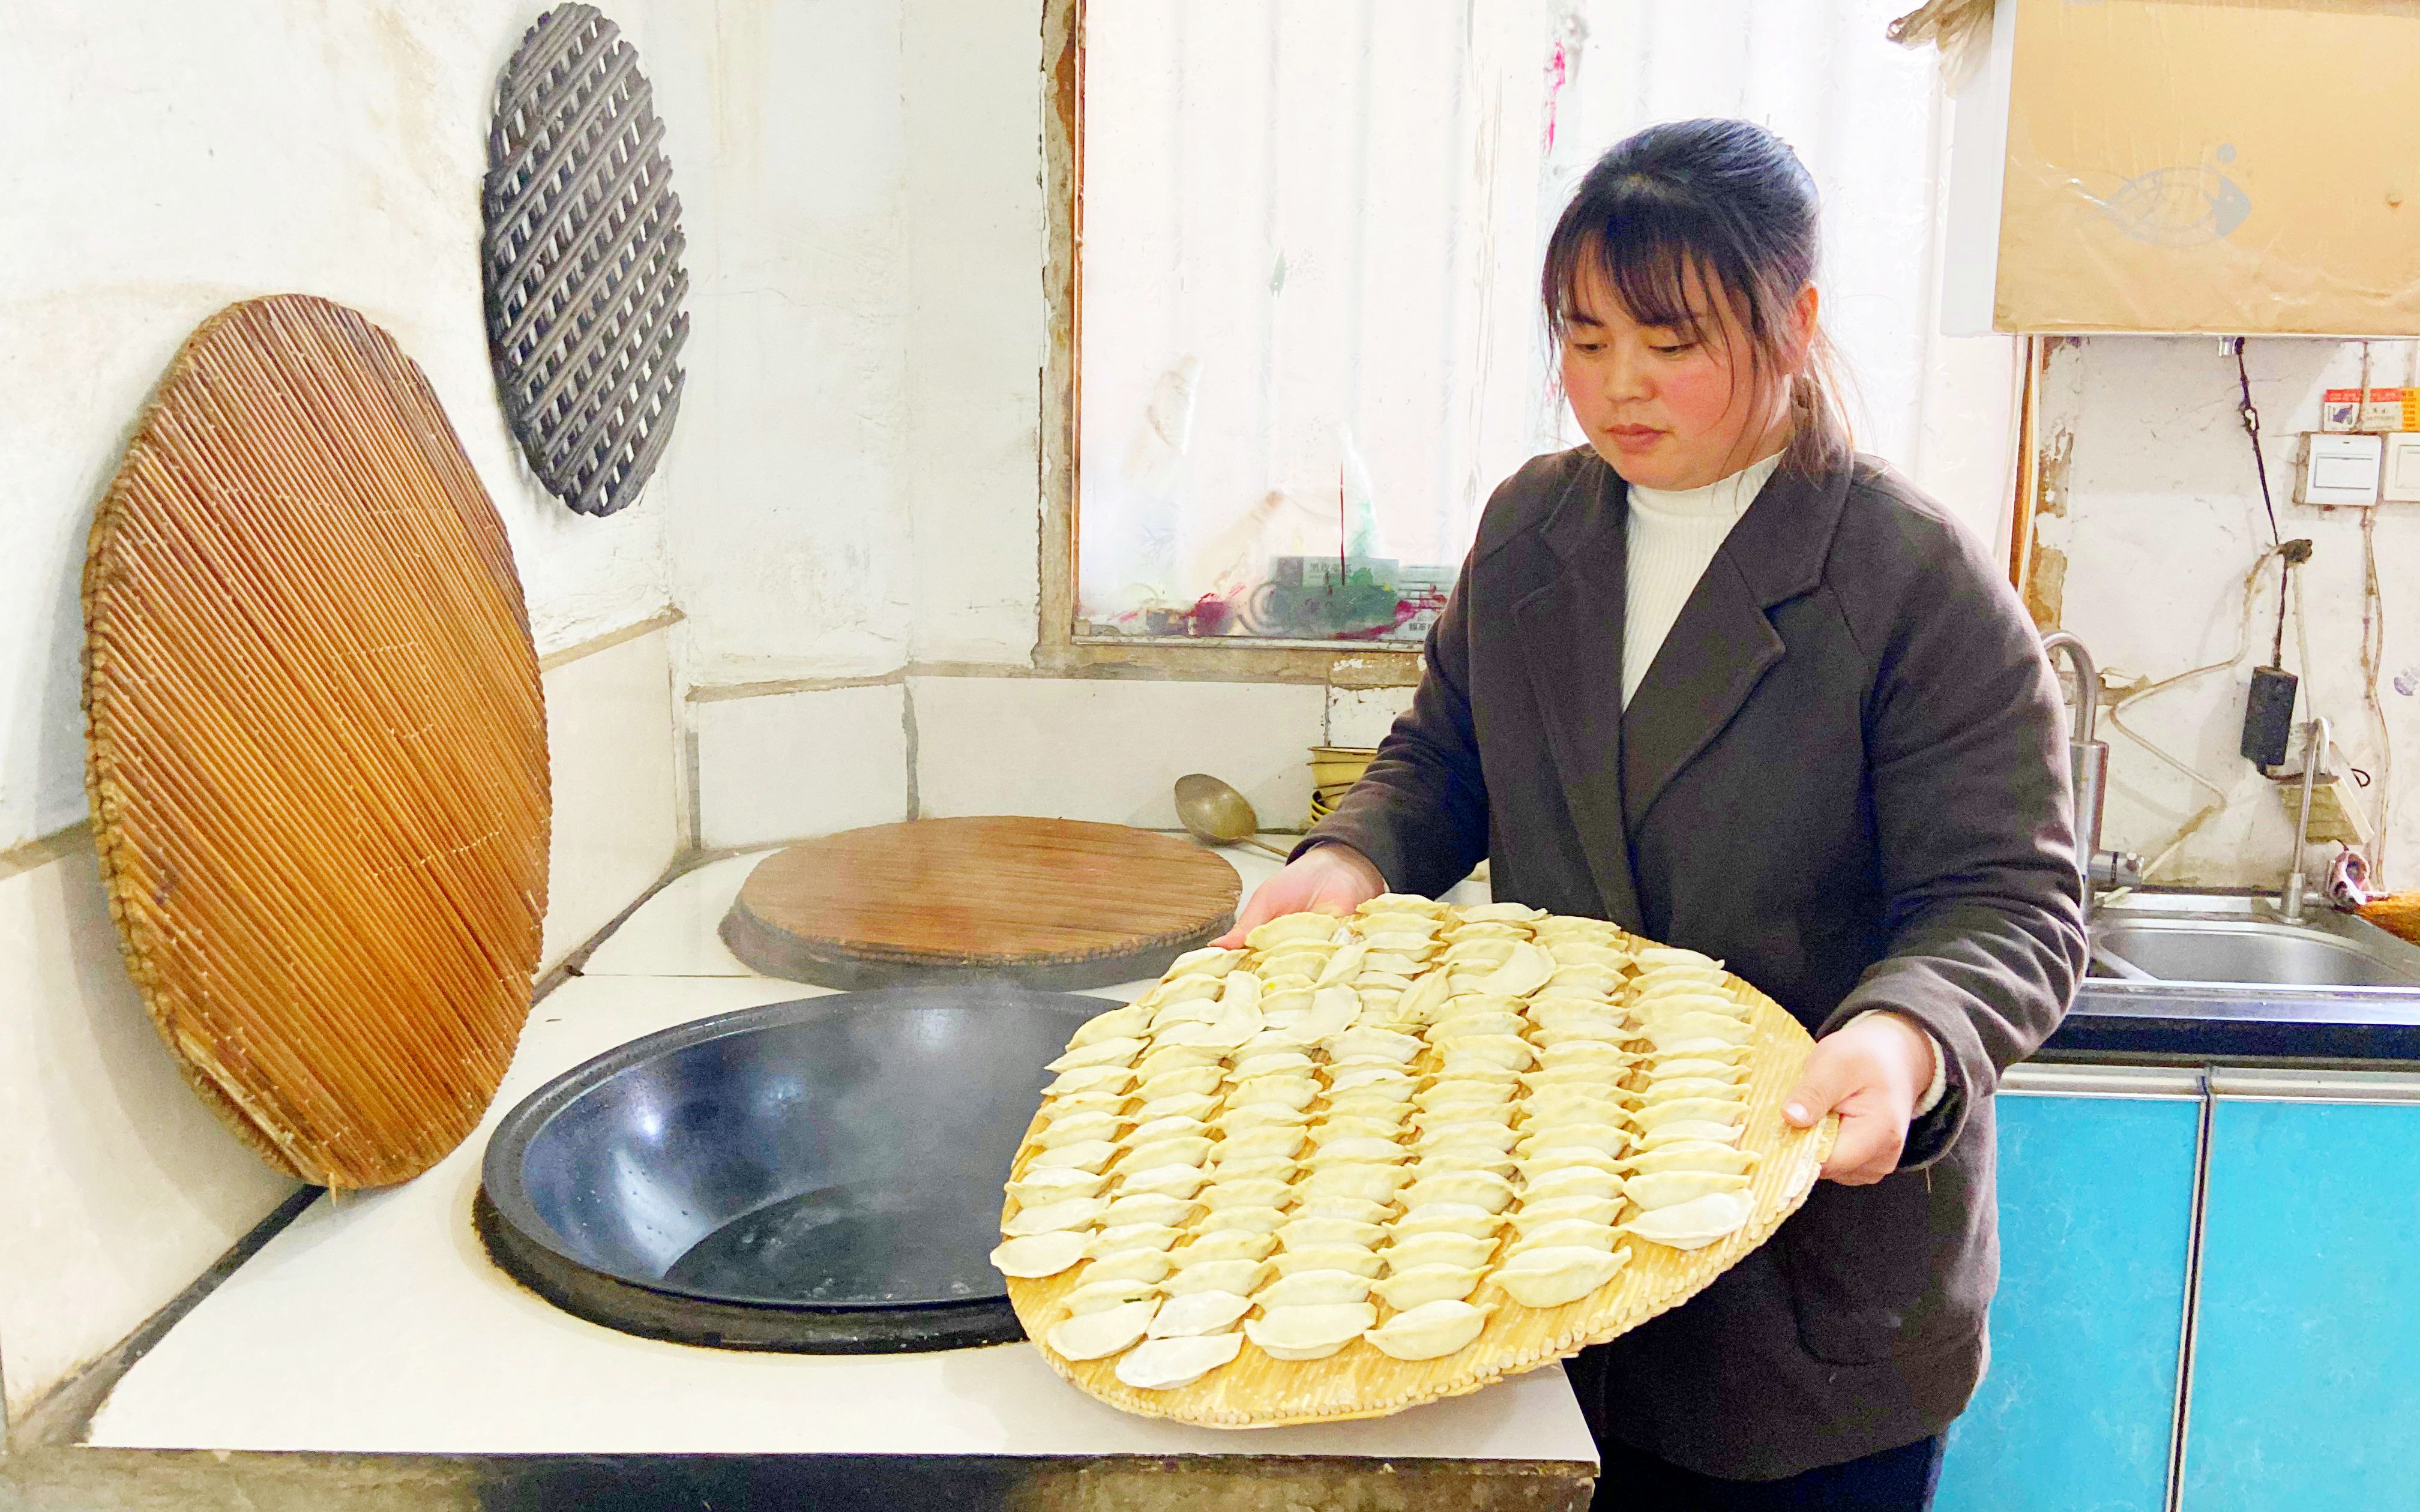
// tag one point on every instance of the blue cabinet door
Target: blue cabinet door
(2077, 1411)
(2306, 1355)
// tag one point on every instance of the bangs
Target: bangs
(1666, 266)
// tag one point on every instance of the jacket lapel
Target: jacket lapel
(1722, 644)
(1569, 635)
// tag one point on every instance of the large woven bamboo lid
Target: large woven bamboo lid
(317, 745)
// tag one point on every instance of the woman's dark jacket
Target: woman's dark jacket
(1845, 775)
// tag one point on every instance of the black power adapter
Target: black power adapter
(2269, 716)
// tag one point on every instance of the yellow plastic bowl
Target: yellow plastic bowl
(1339, 765)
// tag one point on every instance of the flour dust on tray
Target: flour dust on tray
(1368, 1162)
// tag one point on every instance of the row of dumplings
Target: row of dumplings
(1182, 1163)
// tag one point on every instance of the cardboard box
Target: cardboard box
(2193, 166)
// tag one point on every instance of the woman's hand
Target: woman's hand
(1333, 878)
(1870, 1073)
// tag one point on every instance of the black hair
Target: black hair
(1697, 208)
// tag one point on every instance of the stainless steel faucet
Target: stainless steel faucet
(2315, 755)
(2088, 763)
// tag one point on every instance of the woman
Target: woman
(1717, 678)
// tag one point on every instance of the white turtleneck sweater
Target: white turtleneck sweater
(1674, 534)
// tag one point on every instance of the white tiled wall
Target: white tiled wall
(785, 765)
(609, 735)
(120, 1187)
(1110, 751)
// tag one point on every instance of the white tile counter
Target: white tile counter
(376, 1324)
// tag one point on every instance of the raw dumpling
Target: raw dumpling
(1310, 1332)
(1052, 1217)
(1696, 1224)
(1571, 1182)
(1551, 1277)
(1691, 1132)
(1085, 1079)
(1359, 1210)
(1379, 1044)
(1125, 1236)
(1669, 1189)
(1039, 1255)
(1343, 1151)
(1419, 1284)
(1469, 1219)
(1480, 1189)
(1185, 1105)
(1488, 951)
(1693, 1155)
(1670, 1089)
(1458, 1091)
(1165, 1180)
(1510, 1051)
(1462, 1023)
(1234, 1024)
(1301, 963)
(1286, 929)
(1261, 1116)
(1582, 981)
(1313, 1289)
(1275, 1139)
(1259, 1193)
(1271, 1063)
(1382, 1125)
(1055, 1184)
(1101, 1295)
(1693, 1029)
(1258, 1168)
(1374, 1184)
(1390, 1101)
(1485, 1132)
(1430, 1331)
(1571, 1233)
(1183, 1151)
(1150, 1207)
(1568, 1157)
(1181, 1080)
(1294, 1091)
(1410, 1254)
(1243, 1220)
(1340, 966)
(1225, 1244)
(1210, 959)
(1136, 1264)
(1695, 1109)
(1329, 1258)
(1165, 1364)
(1367, 1077)
(1501, 913)
(1469, 1155)
(1604, 1137)
(1117, 1024)
(1534, 1214)
(1242, 1277)
(1167, 1128)
(1096, 1335)
(1116, 1052)
(1721, 1070)
(1198, 1312)
(1302, 1233)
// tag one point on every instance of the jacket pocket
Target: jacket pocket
(1858, 1262)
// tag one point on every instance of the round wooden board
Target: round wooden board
(1360, 1380)
(317, 745)
(1049, 903)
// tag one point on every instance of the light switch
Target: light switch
(2340, 470)
(2402, 471)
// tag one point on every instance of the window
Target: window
(1308, 344)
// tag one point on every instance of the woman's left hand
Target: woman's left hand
(1870, 1073)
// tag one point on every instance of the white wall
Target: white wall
(164, 163)
(2164, 520)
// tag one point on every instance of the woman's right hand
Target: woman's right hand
(1333, 878)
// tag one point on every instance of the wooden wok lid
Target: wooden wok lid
(317, 745)
(1050, 902)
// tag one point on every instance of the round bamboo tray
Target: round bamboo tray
(1256, 1390)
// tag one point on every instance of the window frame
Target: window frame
(1058, 647)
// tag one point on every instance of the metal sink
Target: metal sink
(2203, 938)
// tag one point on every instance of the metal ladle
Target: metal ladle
(1215, 813)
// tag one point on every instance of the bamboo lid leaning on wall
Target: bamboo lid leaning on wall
(317, 745)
